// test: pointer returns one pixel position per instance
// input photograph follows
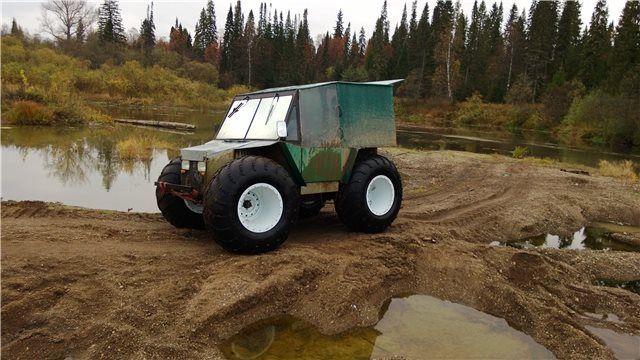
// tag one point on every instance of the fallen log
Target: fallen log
(155, 123)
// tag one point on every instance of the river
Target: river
(80, 165)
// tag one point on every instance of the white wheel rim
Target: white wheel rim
(196, 208)
(380, 195)
(260, 208)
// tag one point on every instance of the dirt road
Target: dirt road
(90, 284)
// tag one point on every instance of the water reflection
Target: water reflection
(79, 166)
(415, 327)
(598, 237)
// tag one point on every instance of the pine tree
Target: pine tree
(495, 77)
(597, 47)
(399, 63)
(625, 63)
(446, 65)
(378, 48)
(338, 30)
(515, 38)
(205, 39)
(354, 52)
(541, 39)
(148, 37)
(459, 42)
(420, 57)
(80, 32)
(362, 43)
(239, 54)
(473, 63)
(567, 51)
(249, 38)
(304, 51)
(211, 29)
(263, 72)
(110, 23)
(227, 42)
(15, 29)
(199, 41)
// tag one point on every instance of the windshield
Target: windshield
(255, 118)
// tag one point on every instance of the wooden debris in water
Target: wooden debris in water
(155, 123)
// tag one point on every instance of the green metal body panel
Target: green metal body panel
(320, 164)
(366, 115)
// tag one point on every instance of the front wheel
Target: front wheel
(250, 205)
(370, 201)
(178, 212)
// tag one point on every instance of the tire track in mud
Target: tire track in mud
(466, 214)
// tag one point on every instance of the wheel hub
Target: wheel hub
(260, 207)
(380, 195)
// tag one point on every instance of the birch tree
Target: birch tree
(66, 20)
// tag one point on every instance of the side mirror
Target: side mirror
(281, 128)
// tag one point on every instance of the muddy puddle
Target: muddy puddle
(416, 326)
(601, 236)
(623, 346)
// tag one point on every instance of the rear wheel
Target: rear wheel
(250, 205)
(370, 201)
(177, 211)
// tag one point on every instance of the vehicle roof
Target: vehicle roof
(310, 86)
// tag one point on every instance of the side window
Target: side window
(292, 124)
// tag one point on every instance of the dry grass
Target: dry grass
(27, 112)
(140, 147)
(622, 170)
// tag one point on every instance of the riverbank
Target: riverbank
(596, 119)
(41, 85)
(86, 283)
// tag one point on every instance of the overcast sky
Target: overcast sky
(322, 14)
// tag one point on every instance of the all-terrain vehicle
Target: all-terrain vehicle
(281, 153)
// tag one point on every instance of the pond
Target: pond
(414, 327)
(80, 165)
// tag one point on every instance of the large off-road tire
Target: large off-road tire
(370, 201)
(251, 204)
(173, 208)
(311, 206)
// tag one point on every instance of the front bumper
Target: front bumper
(182, 191)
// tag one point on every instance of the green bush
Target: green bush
(558, 99)
(600, 117)
(199, 71)
(472, 112)
(520, 152)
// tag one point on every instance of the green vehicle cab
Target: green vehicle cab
(280, 154)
